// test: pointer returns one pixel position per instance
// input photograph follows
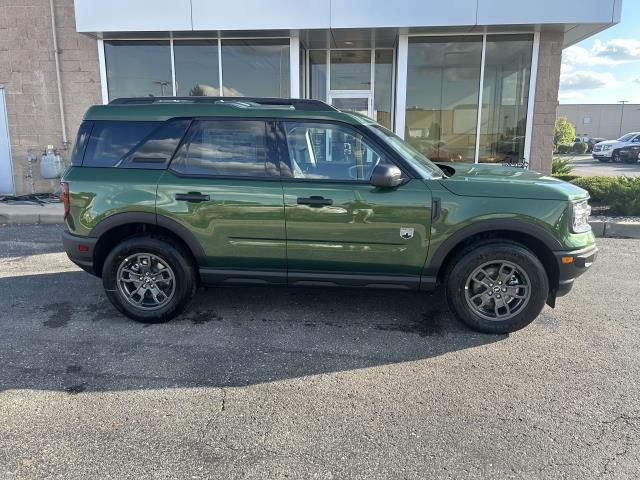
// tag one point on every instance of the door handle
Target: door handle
(317, 201)
(192, 197)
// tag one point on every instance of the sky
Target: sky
(605, 68)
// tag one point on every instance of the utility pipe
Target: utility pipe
(56, 54)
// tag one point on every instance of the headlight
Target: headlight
(580, 218)
(606, 147)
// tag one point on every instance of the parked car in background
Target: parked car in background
(629, 154)
(610, 150)
(592, 142)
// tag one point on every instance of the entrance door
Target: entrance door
(6, 173)
(359, 102)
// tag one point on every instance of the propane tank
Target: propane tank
(51, 165)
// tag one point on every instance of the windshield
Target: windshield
(627, 137)
(426, 167)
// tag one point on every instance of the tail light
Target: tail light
(64, 198)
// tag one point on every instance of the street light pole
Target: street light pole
(622, 115)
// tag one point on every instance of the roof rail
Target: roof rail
(297, 103)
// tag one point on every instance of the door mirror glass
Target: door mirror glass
(386, 176)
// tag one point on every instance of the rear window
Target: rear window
(157, 149)
(81, 142)
(109, 141)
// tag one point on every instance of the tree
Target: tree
(196, 91)
(564, 133)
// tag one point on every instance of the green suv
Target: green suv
(166, 195)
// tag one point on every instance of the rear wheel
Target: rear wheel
(149, 279)
(497, 287)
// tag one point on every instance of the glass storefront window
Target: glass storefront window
(505, 97)
(196, 64)
(138, 69)
(350, 70)
(255, 68)
(318, 74)
(443, 86)
(383, 78)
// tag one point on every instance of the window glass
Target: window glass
(443, 86)
(196, 64)
(158, 148)
(81, 142)
(138, 68)
(505, 97)
(350, 69)
(331, 152)
(626, 138)
(225, 148)
(318, 74)
(255, 68)
(382, 87)
(110, 141)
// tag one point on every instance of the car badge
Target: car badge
(406, 233)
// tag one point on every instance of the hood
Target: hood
(608, 142)
(487, 180)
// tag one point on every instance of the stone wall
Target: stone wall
(544, 116)
(27, 71)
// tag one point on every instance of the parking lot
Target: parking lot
(586, 165)
(312, 383)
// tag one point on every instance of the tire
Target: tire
(521, 312)
(615, 157)
(162, 299)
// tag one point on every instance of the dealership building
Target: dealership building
(466, 81)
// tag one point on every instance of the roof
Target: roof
(165, 109)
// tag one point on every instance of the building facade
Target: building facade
(474, 81)
(608, 121)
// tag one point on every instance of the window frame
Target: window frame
(390, 155)
(271, 143)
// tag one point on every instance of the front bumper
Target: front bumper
(80, 250)
(571, 265)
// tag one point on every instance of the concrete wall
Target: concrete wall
(605, 119)
(27, 70)
(544, 116)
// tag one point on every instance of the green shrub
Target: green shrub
(620, 194)
(561, 166)
(565, 149)
(580, 148)
(565, 178)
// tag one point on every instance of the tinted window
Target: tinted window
(225, 148)
(158, 148)
(331, 152)
(110, 141)
(81, 142)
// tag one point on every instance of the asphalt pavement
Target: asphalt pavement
(587, 166)
(312, 383)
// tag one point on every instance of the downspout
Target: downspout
(56, 54)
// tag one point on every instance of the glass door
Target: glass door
(359, 102)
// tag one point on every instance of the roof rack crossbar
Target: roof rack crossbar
(297, 103)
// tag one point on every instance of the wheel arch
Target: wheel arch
(541, 242)
(122, 225)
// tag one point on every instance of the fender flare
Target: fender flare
(488, 226)
(130, 218)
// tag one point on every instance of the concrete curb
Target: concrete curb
(20, 214)
(616, 227)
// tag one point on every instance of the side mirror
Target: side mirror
(386, 176)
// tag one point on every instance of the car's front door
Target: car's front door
(223, 187)
(340, 228)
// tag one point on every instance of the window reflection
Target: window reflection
(318, 74)
(382, 87)
(350, 70)
(138, 69)
(443, 81)
(505, 98)
(196, 64)
(255, 68)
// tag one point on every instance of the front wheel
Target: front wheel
(497, 287)
(149, 279)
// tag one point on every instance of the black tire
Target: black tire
(615, 157)
(469, 260)
(174, 256)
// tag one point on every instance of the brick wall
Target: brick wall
(27, 71)
(544, 116)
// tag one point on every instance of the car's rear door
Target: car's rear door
(223, 187)
(341, 229)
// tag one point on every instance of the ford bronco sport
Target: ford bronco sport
(164, 195)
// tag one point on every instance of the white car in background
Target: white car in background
(609, 150)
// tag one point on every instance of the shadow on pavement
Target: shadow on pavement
(60, 333)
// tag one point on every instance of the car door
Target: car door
(340, 228)
(223, 186)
